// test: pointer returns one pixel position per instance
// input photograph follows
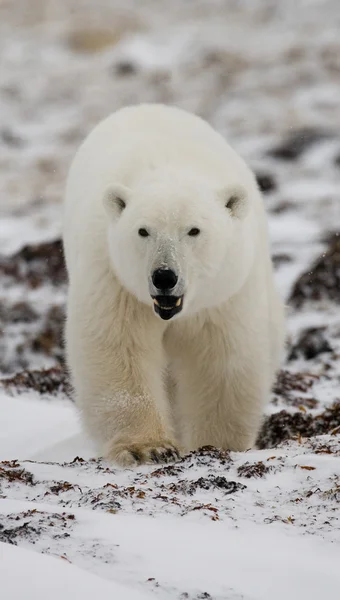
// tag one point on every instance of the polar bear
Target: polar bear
(174, 326)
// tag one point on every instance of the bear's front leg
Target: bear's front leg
(226, 414)
(222, 387)
(117, 366)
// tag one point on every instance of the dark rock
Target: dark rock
(296, 143)
(125, 68)
(266, 182)
(282, 207)
(322, 280)
(281, 259)
(10, 138)
(311, 343)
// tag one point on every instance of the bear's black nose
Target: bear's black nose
(164, 279)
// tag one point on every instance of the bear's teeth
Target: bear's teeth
(178, 303)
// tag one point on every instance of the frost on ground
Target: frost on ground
(216, 525)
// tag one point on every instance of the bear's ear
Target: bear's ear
(235, 200)
(115, 199)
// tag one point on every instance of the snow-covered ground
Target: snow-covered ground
(260, 525)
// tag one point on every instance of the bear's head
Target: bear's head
(180, 242)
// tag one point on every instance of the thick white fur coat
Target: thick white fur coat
(145, 386)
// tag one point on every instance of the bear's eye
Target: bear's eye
(194, 231)
(142, 232)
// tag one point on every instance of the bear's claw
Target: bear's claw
(139, 454)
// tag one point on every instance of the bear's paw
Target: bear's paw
(131, 455)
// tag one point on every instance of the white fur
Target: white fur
(202, 378)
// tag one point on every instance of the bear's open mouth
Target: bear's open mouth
(167, 306)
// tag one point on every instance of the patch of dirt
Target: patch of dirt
(206, 455)
(322, 280)
(36, 265)
(24, 531)
(57, 525)
(44, 338)
(289, 387)
(61, 486)
(12, 472)
(49, 339)
(106, 499)
(20, 312)
(92, 40)
(48, 381)
(284, 426)
(200, 596)
(206, 483)
(311, 342)
(24, 333)
(288, 382)
(330, 446)
(172, 470)
(249, 470)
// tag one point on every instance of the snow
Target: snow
(42, 577)
(232, 562)
(249, 526)
(130, 528)
(41, 427)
